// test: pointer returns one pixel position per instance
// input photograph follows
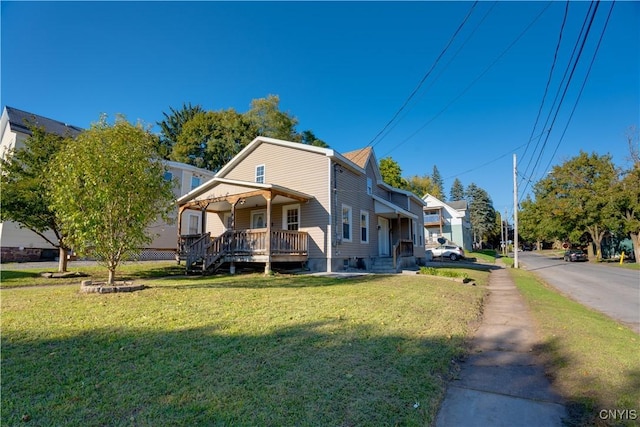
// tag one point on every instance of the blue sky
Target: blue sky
(345, 69)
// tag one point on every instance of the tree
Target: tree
(22, 189)
(626, 196)
(269, 121)
(210, 139)
(392, 173)
(107, 186)
(457, 191)
(171, 127)
(578, 196)
(481, 212)
(421, 185)
(309, 138)
(438, 184)
(533, 222)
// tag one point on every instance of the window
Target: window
(369, 186)
(259, 219)
(364, 227)
(260, 174)
(195, 182)
(291, 217)
(346, 223)
(194, 220)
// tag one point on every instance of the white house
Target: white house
(20, 244)
(449, 220)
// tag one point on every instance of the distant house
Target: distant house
(16, 243)
(21, 244)
(449, 220)
(286, 202)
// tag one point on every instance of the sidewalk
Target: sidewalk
(500, 383)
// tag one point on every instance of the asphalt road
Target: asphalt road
(610, 290)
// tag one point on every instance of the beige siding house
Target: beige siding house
(285, 202)
(21, 244)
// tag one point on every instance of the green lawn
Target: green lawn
(234, 350)
(592, 360)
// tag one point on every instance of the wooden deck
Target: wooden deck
(204, 252)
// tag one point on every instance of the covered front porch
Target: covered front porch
(396, 231)
(250, 223)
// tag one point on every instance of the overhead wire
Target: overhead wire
(566, 86)
(584, 82)
(373, 141)
(474, 81)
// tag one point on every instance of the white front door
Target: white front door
(383, 236)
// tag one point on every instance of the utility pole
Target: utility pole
(515, 213)
(505, 230)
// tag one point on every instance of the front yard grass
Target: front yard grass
(592, 360)
(235, 350)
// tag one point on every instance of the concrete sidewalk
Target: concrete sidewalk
(500, 383)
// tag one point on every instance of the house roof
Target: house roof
(21, 120)
(359, 157)
(460, 205)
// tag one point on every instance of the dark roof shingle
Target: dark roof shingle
(21, 121)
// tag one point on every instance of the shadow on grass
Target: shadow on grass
(584, 408)
(16, 274)
(320, 373)
(258, 281)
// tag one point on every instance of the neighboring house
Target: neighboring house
(21, 244)
(187, 178)
(279, 201)
(16, 243)
(449, 220)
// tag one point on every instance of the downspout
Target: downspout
(329, 236)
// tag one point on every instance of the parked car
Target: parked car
(573, 255)
(449, 251)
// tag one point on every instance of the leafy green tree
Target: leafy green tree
(534, 223)
(210, 139)
(579, 198)
(107, 186)
(457, 191)
(626, 197)
(392, 173)
(482, 213)
(309, 138)
(171, 127)
(438, 184)
(269, 121)
(22, 189)
(421, 185)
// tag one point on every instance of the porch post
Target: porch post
(203, 217)
(267, 266)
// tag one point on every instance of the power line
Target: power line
(566, 87)
(473, 82)
(428, 73)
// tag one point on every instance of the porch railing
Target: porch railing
(404, 248)
(240, 243)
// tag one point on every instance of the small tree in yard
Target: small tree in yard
(107, 186)
(23, 189)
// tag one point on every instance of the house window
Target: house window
(364, 227)
(369, 186)
(259, 219)
(260, 174)
(346, 223)
(194, 221)
(195, 182)
(291, 217)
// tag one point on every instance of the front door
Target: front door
(383, 236)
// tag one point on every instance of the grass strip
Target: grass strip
(235, 350)
(592, 360)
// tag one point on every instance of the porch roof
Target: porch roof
(218, 194)
(387, 209)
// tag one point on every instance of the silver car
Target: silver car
(447, 251)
